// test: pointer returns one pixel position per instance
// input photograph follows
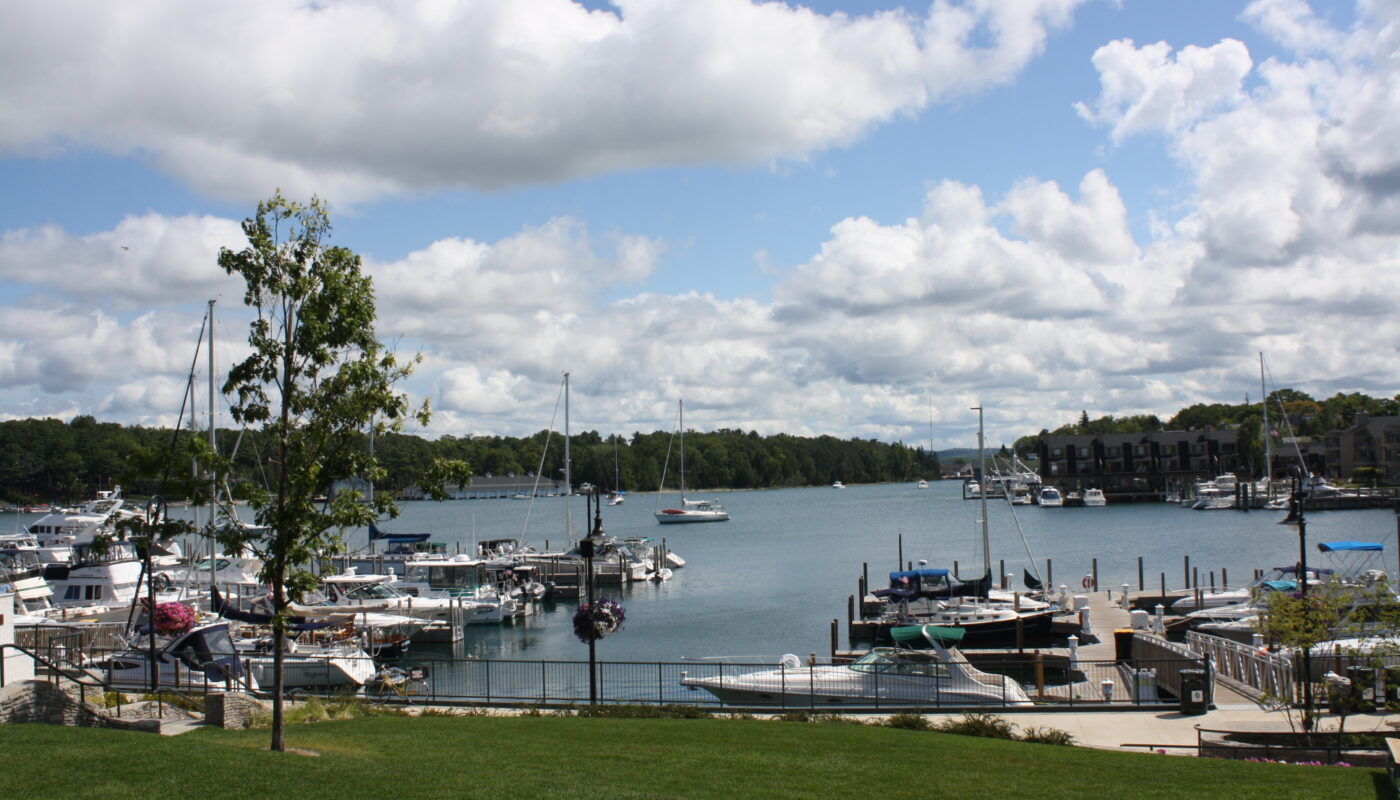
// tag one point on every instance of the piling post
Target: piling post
(1141, 587)
(1049, 574)
(1212, 580)
(1224, 579)
(955, 568)
(864, 575)
(1095, 563)
(862, 588)
(1002, 566)
(901, 552)
(1195, 578)
(850, 608)
(835, 638)
(1164, 584)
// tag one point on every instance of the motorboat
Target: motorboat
(462, 579)
(838, 485)
(1050, 497)
(109, 575)
(1093, 498)
(690, 510)
(923, 484)
(203, 657)
(693, 511)
(616, 498)
(934, 676)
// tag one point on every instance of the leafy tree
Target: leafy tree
(315, 380)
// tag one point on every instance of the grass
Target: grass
(590, 757)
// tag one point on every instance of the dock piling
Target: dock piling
(1095, 564)
(1141, 587)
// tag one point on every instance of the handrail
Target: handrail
(62, 672)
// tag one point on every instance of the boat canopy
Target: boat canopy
(1338, 547)
(904, 634)
(396, 538)
(1281, 586)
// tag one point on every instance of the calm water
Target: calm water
(771, 579)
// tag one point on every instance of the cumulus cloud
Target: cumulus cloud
(145, 261)
(355, 98)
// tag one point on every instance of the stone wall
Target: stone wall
(43, 703)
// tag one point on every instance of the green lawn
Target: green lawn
(550, 757)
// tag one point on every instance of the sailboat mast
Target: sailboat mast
(982, 496)
(568, 468)
(213, 481)
(1268, 440)
(680, 420)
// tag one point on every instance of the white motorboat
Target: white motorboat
(461, 579)
(690, 510)
(203, 657)
(838, 485)
(1050, 497)
(938, 676)
(923, 484)
(1094, 498)
(108, 576)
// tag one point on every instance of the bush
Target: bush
(909, 722)
(987, 726)
(1047, 736)
(644, 712)
(814, 716)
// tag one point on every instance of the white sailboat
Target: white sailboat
(690, 510)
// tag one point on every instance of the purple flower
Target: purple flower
(600, 618)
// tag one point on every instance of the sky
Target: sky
(856, 219)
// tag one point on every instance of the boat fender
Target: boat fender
(790, 661)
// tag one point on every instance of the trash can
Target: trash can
(1123, 644)
(1195, 694)
(1339, 696)
(1363, 689)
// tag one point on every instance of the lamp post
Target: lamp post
(587, 547)
(1295, 518)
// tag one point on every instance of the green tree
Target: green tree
(315, 379)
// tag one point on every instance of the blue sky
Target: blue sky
(801, 219)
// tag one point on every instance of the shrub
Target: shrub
(644, 712)
(1047, 736)
(987, 726)
(909, 722)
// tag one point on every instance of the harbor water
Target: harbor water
(772, 579)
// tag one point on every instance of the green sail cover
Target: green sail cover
(907, 634)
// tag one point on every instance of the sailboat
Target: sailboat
(690, 510)
(933, 596)
(616, 497)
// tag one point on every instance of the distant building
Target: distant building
(1137, 463)
(1369, 442)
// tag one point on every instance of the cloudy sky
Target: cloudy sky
(806, 219)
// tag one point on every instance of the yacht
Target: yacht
(933, 676)
(838, 485)
(1050, 497)
(1094, 498)
(203, 657)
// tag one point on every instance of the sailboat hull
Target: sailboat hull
(673, 516)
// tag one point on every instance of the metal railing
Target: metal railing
(1049, 683)
(1254, 670)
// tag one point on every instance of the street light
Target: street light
(1295, 518)
(588, 547)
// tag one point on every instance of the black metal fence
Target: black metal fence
(1033, 684)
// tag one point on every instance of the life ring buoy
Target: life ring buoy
(1087, 582)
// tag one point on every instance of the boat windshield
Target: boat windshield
(373, 591)
(910, 662)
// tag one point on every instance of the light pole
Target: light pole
(155, 510)
(587, 547)
(1296, 518)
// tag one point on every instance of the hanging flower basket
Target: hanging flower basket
(595, 620)
(173, 619)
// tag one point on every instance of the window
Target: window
(1057, 452)
(1113, 452)
(1083, 452)
(1140, 450)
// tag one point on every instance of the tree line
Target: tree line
(66, 462)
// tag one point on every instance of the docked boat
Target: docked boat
(838, 485)
(203, 657)
(690, 510)
(1050, 497)
(1093, 498)
(934, 676)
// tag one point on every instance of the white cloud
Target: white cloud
(353, 99)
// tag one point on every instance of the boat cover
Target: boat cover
(1281, 586)
(904, 634)
(396, 538)
(1337, 547)
(228, 610)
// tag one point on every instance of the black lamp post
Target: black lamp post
(588, 547)
(1295, 517)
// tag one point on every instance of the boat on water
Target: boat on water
(934, 675)
(1093, 498)
(202, 657)
(1050, 497)
(838, 485)
(923, 484)
(690, 510)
